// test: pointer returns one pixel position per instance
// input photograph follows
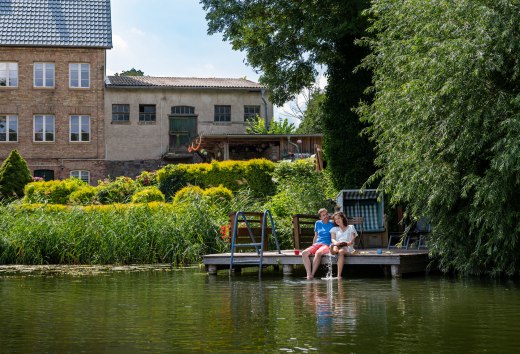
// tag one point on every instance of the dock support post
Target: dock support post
(287, 269)
(395, 270)
(212, 269)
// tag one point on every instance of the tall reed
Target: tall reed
(111, 234)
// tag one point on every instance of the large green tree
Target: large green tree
(446, 120)
(288, 41)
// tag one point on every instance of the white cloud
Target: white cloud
(119, 42)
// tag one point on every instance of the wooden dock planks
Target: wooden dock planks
(398, 261)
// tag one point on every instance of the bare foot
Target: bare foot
(309, 277)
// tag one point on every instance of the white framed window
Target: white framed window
(43, 128)
(8, 128)
(81, 174)
(43, 74)
(8, 74)
(79, 128)
(79, 75)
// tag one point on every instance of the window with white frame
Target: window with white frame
(8, 74)
(43, 128)
(250, 113)
(222, 113)
(8, 128)
(79, 128)
(81, 174)
(43, 74)
(79, 75)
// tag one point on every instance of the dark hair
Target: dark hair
(342, 216)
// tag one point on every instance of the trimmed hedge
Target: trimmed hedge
(253, 174)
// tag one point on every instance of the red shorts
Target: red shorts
(318, 246)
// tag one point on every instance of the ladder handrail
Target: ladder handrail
(259, 247)
(254, 243)
(273, 227)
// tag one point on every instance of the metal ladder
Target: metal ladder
(259, 246)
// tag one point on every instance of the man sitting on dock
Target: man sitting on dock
(320, 243)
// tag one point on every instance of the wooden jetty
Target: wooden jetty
(396, 261)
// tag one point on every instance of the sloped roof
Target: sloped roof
(180, 82)
(56, 23)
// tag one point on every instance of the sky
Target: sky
(169, 38)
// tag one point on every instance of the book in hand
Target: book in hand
(341, 244)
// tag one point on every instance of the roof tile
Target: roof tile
(56, 23)
(180, 82)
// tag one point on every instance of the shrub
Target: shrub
(146, 179)
(52, 192)
(234, 175)
(218, 194)
(118, 191)
(147, 195)
(189, 192)
(14, 175)
(83, 195)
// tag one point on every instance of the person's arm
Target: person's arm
(333, 237)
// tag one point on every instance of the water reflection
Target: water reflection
(189, 311)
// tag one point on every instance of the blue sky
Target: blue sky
(169, 38)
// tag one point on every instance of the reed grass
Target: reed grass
(110, 234)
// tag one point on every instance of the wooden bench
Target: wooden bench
(303, 230)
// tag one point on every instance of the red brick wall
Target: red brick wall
(61, 101)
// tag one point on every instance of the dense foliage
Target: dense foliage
(446, 120)
(288, 41)
(253, 174)
(179, 232)
(14, 175)
(257, 126)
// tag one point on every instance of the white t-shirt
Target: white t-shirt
(345, 236)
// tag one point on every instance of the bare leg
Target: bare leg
(307, 263)
(316, 262)
(341, 261)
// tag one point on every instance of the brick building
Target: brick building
(52, 69)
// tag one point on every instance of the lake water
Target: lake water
(182, 311)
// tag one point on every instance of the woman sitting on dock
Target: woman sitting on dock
(320, 243)
(343, 236)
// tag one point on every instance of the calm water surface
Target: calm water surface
(184, 311)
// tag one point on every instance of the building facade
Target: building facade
(52, 70)
(152, 121)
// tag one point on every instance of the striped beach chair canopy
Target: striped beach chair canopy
(367, 203)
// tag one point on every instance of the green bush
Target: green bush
(147, 195)
(14, 175)
(300, 189)
(52, 192)
(118, 191)
(189, 192)
(234, 175)
(218, 194)
(84, 195)
(146, 179)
